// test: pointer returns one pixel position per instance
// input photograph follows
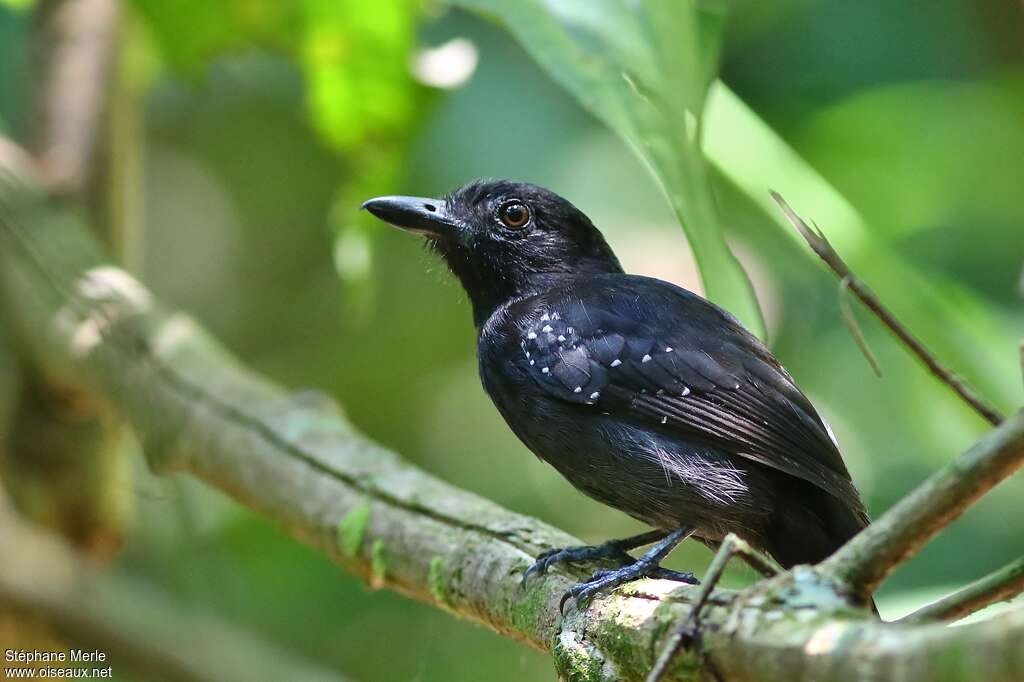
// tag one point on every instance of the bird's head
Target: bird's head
(503, 239)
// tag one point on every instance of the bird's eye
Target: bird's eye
(514, 214)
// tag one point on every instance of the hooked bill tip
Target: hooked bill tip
(416, 214)
(375, 205)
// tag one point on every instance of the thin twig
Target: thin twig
(821, 246)
(1001, 585)
(855, 331)
(898, 534)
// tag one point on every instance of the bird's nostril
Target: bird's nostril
(430, 207)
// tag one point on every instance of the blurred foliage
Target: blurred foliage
(644, 70)
(353, 54)
(896, 126)
(360, 96)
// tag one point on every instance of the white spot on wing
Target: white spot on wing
(595, 395)
(546, 329)
(577, 389)
(616, 362)
(531, 335)
(645, 358)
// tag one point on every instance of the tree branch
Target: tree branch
(74, 45)
(61, 449)
(295, 459)
(1001, 585)
(870, 556)
(821, 246)
(134, 626)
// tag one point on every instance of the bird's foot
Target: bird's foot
(605, 580)
(611, 550)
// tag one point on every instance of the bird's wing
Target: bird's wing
(651, 352)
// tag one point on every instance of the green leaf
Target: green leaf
(359, 95)
(355, 57)
(352, 529)
(643, 68)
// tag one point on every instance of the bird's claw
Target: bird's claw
(540, 566)
(583, 593)
(607, 551)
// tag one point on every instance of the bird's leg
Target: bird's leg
(614, 550)
(647, 566)
(688, 632)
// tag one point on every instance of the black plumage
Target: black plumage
(643, 395)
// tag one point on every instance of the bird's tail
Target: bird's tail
(809, 534)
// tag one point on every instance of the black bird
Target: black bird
(644, 395)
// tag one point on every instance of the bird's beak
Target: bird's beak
(422, 216)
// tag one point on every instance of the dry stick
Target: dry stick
(898, 534)
(820, 245)
(1001, 585)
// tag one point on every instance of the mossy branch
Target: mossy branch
(999, 585)
(293, 458)
(898, 534)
